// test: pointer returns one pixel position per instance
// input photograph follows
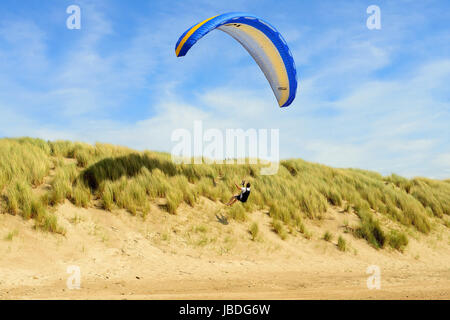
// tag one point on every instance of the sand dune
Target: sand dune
(199, 254)
(136, 226)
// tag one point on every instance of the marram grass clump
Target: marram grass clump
(342, 244)
(254, 231)
(370, 229)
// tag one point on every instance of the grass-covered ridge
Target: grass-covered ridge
(120, 178)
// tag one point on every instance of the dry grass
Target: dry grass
(327, 236)
(370, 229)
(279, 229)
(254, 231)
(11, 235)
(130, 180)
(398, 240)
(342, 244)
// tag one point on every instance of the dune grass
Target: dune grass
(254, 231)
(370, 229)
(121, 178)
(398, 240)
(24, 160)
(327, 236)
(342, 244)
(279, 229)
(11, 235)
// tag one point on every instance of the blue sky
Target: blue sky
(372, 99)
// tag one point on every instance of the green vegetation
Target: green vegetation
(121, 178)
(279, 229)
(10, 236)
(48, 222)
(254, 230)
(342, 244)
(237, 212)
(447, 223)
(327, 236)
(398, 240)
(370, 229)
(201, 229)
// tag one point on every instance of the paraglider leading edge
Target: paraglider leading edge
(263, 42)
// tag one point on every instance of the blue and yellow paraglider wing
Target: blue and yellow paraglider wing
(264, 43)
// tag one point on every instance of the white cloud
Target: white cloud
(343, 116)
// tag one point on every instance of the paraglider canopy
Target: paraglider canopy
(264, 43)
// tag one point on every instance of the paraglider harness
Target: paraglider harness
(243, 196)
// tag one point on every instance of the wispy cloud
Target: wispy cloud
(377, 100)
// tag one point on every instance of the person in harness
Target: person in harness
(243, 196)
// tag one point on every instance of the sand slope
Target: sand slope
(199, 254)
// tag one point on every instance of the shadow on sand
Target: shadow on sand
(221, 219)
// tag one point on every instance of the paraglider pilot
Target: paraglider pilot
(243, 196)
